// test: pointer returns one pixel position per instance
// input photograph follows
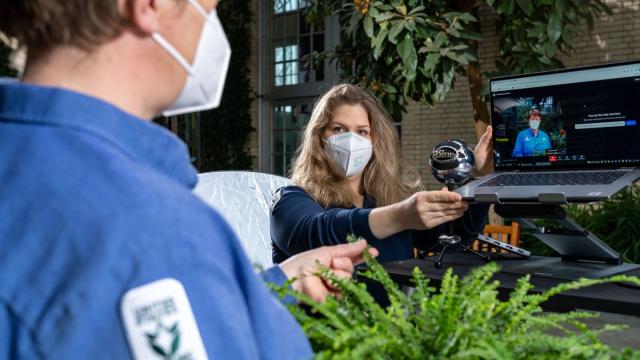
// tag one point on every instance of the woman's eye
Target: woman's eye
(363, 132)
(338, 129)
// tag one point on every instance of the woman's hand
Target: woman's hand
(484, 153)
(422, 210)
(428, 209)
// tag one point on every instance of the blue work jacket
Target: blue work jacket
(95, 202)
(528, 144)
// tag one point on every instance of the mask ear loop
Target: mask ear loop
(198, 8)
(176, 55)
(172, 50)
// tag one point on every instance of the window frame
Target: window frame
(269, 95)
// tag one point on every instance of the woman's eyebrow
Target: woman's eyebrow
(338, 123)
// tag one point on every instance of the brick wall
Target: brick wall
(614, 38)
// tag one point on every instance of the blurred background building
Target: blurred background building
(272, 85)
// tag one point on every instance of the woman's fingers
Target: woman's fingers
(433, 208)
(445, 212)
(435, 218)
(439, 207)
(314, 287)
(442, 214)
(441, 220)
(439, 196)
(342, 264)
(484, 153)
(429, 207)
(486, 137)
(339, 274)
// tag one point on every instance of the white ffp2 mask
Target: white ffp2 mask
(207, 74)
(349, 152)
(534, 124)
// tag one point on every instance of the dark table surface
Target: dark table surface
(613, 298)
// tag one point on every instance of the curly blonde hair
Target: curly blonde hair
(386, 177)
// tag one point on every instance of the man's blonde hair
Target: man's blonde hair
(386, 177)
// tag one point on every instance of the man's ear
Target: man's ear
(143, 15)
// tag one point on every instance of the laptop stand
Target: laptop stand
(582, 253)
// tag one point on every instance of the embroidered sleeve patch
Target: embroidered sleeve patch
(159, 322)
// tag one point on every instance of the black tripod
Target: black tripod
(451, 164)
(450, 241)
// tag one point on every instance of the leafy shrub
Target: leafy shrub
(463, 320)
(5, 65)
(413, 49)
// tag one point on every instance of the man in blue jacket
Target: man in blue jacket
(104, 250)
(532, 141)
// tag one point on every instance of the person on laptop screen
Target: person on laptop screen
(532, 141)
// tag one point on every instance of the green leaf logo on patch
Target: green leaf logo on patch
(165, 341)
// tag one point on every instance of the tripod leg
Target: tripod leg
(485, 257)
(439, 262)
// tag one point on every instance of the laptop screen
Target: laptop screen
(574, 118)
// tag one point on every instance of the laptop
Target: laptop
(571, 135)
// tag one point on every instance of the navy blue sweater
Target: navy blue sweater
(299, 223)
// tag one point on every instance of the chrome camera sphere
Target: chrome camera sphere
(452, 162)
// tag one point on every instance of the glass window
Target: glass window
(294, 42)
(288, 122)
(282, 6)
(292, 79)
(286, 65)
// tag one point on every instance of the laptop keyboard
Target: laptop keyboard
(556, 178)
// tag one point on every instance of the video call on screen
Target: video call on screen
(583, 124)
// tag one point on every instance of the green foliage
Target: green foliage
(465, 319)
(5, 64)
(225, 130)
(401, 50)
(534, 33)
(413, 49)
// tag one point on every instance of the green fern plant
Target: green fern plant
(464, 319)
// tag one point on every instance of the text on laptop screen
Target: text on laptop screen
(583, 118)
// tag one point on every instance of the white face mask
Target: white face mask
(534, 124)
(350, 152)
(206, 76)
